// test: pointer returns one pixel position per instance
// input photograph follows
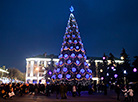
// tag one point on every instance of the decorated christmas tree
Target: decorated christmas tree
(72, 65)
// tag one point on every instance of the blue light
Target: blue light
(70, 30)
(60, 76)
(90, 71)
(68, 36)
(78, 76)
(85, 63)
(61, 49)
(70, 41)
(69, 61)
(58, 70)
(68, 76)
(73, 24)
(75, 41)
(73, 69)
(65, 47)
(71, 9)
(76, 30)
(80, 56)
(60, 56)
(82, 71)
(73, 36)
(82, 49)
(77, 62)
(64, 42)
(78, 36)
(87, 76)
(60, 62)
(53, 77)
(72, 55)
(90, 76)
(65, 69)
(77, 47)
(65, 55)
(85, 57)
(71, 47)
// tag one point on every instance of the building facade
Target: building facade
(36, 66)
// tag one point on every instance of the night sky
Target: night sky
(32, 27)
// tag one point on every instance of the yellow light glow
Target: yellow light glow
(37, 68)
(122, 57)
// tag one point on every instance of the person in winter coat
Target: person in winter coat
(125, 94)
(118, 90)
(74, 91)
(130, 91)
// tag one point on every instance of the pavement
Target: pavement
(85, 97)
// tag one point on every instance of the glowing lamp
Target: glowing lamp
(77, 62)
(66, 55)
(69, 61)
(65, 69)
(78, 76)
(80, 56)
(71, 47)
(82, 71)
(73, 36)
(73, 69)
(112, 67)
(60, 76)
(77, 47)
(58, 70)
(125, 72)
(49, 72)
(107, 74)
(101, 70)
(115, 75)
(87, 76)
(53, 77)
(75, 41)
(68, 76)
(102, 78)
(90, 71)
(70, 41)
(68, 36)
(60, 62)
(135, 70)
(103, 58)
(72, 55)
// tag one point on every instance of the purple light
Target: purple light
(69, 61)
(115, 75)
(112, 67)
(135, 70)
(73, 69)
(82, 49)
(58, 70)
(102, 78)
(90, 71)
(49, 72)
(65, 69)
(68, 36)
(60, 62)
(60, 76)
(103, 58)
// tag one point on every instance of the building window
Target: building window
(28, 75)
(34, 74)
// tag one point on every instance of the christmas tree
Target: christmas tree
(72, 65)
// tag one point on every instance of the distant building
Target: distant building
(3, 70)
(35, 66)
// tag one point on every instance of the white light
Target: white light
(107, 74)
(125, 72)
(122, 57)
(48, 78)
(114, 69)
(101, 70)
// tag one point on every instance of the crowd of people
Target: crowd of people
(18, 89)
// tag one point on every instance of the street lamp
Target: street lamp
(135, 70)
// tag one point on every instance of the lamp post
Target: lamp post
(125, 76)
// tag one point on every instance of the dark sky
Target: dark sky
(32, 27)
